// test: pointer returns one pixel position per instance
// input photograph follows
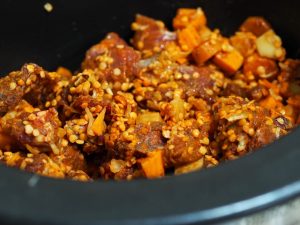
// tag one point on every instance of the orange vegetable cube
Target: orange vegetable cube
(229, 61)
(206, 50)
(188, 38)
(152, 165)
(186, 17)
(270, 103)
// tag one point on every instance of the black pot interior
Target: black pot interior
(30, 34)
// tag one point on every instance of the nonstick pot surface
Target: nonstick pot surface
(262, 179)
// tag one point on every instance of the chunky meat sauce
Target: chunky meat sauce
(170, 102)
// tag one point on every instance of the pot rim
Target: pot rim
(254, 182)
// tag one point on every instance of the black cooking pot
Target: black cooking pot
(265, 178)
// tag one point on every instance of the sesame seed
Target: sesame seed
(48, 7)
(209, 92)
(251, 132)
(47, 104)
(103, 66)
(32, 117)
(54, 102)
(196, 75)
(30, 68)
(178, 75)
(80, 142)
(261, 70)
(73, 138)
(36, 132)
(140, 44)
(28, 129)
(186, 76)
(21, 82)
(195, 133)
(203, 150)
(117, 72)
(12, 85)
(64, 143)
(139, 98)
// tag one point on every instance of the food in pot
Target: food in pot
(170, 102)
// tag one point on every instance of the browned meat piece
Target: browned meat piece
(243, 126)
(16, 85)
(257, 93)
(149, 136)
(113, 59)
(118, 170)
(233, 87)
(138, 139)
(256, 25)
(150, 35)
(202, 82)
(71, 158)
(182, 150)
(124, 114)
(38, 163)
(85, 91)
(36, 130)
(187, 143)
(289, 78)
(42, 165)
(256, 67)
(239, 88)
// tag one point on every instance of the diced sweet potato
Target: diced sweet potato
(270, 102)
(206, 50)
(186, 17)
(188, 38)
(152, 165)
(256, 25)
(229, 61)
